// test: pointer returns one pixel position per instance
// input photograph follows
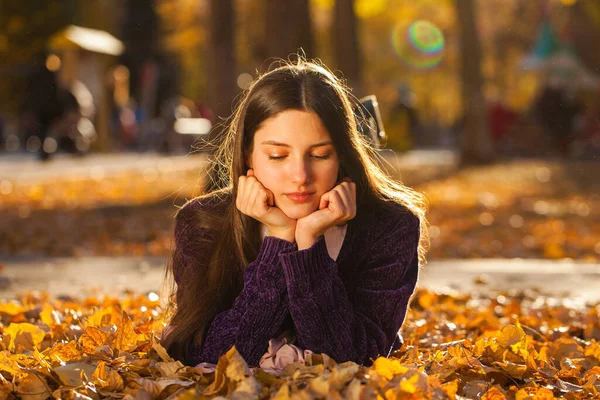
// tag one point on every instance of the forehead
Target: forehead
(292, 127)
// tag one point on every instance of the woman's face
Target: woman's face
(293, 157)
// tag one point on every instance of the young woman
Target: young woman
(307, 235)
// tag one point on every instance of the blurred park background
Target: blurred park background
(490, 107)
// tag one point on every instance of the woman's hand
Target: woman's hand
(255, 201)
(336, 207)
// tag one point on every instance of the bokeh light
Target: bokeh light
(420, 45)
(33, 144)
(53, 62)
(244, 80)
(50, 145)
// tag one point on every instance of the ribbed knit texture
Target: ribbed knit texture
(350, 309)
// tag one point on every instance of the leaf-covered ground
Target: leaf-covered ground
(527, 209)
(520, 345)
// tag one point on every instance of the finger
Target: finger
(252, 210)
(240, 192)
(271, 198)
(324, 202)
(347, 179)
(345, 196)
(336, 205)
(261, 201)
(255, 196)
(347, 192)
(250, 172)
(353, 197)
(251, 182)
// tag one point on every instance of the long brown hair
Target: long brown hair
(214, 282)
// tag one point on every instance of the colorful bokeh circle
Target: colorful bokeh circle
(420, 45)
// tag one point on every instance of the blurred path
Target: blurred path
(26, 168)
(113, 275)
(416, 165)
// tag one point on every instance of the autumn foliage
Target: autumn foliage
(519, 345)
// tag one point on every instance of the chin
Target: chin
(299, 211)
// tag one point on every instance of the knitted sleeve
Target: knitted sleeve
(259, 310)
(361, 327)
(257, 313)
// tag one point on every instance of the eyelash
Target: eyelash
(278, 158)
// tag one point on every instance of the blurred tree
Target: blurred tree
(140, 36)
(184, 35)
(476, 143)
(288, 28)
(25, 27)
(222, 67)
(346, 46)
(222, 87)
(585, 32)
(251, 46)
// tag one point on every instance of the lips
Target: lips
(300, 197)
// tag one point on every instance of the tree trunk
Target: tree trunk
(222, 67)
(345, 44)
(222, 86)
(140, 36)
(288, 28)
(476, 143)
(585, 32)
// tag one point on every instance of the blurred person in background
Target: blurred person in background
(556, 108)
(501, 120)
(403, 121)
(42, 103)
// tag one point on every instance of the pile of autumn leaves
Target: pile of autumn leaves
(491, 346)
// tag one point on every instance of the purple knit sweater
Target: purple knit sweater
(351, 309)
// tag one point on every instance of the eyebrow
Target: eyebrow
(274, 143)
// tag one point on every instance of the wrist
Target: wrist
(285, 234)
(306, 241)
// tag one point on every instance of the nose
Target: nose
(300, 172)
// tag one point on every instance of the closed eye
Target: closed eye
(323, 157)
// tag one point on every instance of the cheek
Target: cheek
(330, 175)
(269, 176)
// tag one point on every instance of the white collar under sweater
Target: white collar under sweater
(334, 238)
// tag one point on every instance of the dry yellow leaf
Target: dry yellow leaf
(8, 364)
(126, 338)
(162, 352)
(107, 379)
(168, 369)
(319, 386)
(236, 369)
(410, 385)
(12, 308)
(92, 338)
(23, 334)
(64, 352)
(283, 393)
(388, 368)
(543, 394)
(33, 387)
(493, 394)
(74, 374)
(451, 388)
(49, 316)
(104, 317)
